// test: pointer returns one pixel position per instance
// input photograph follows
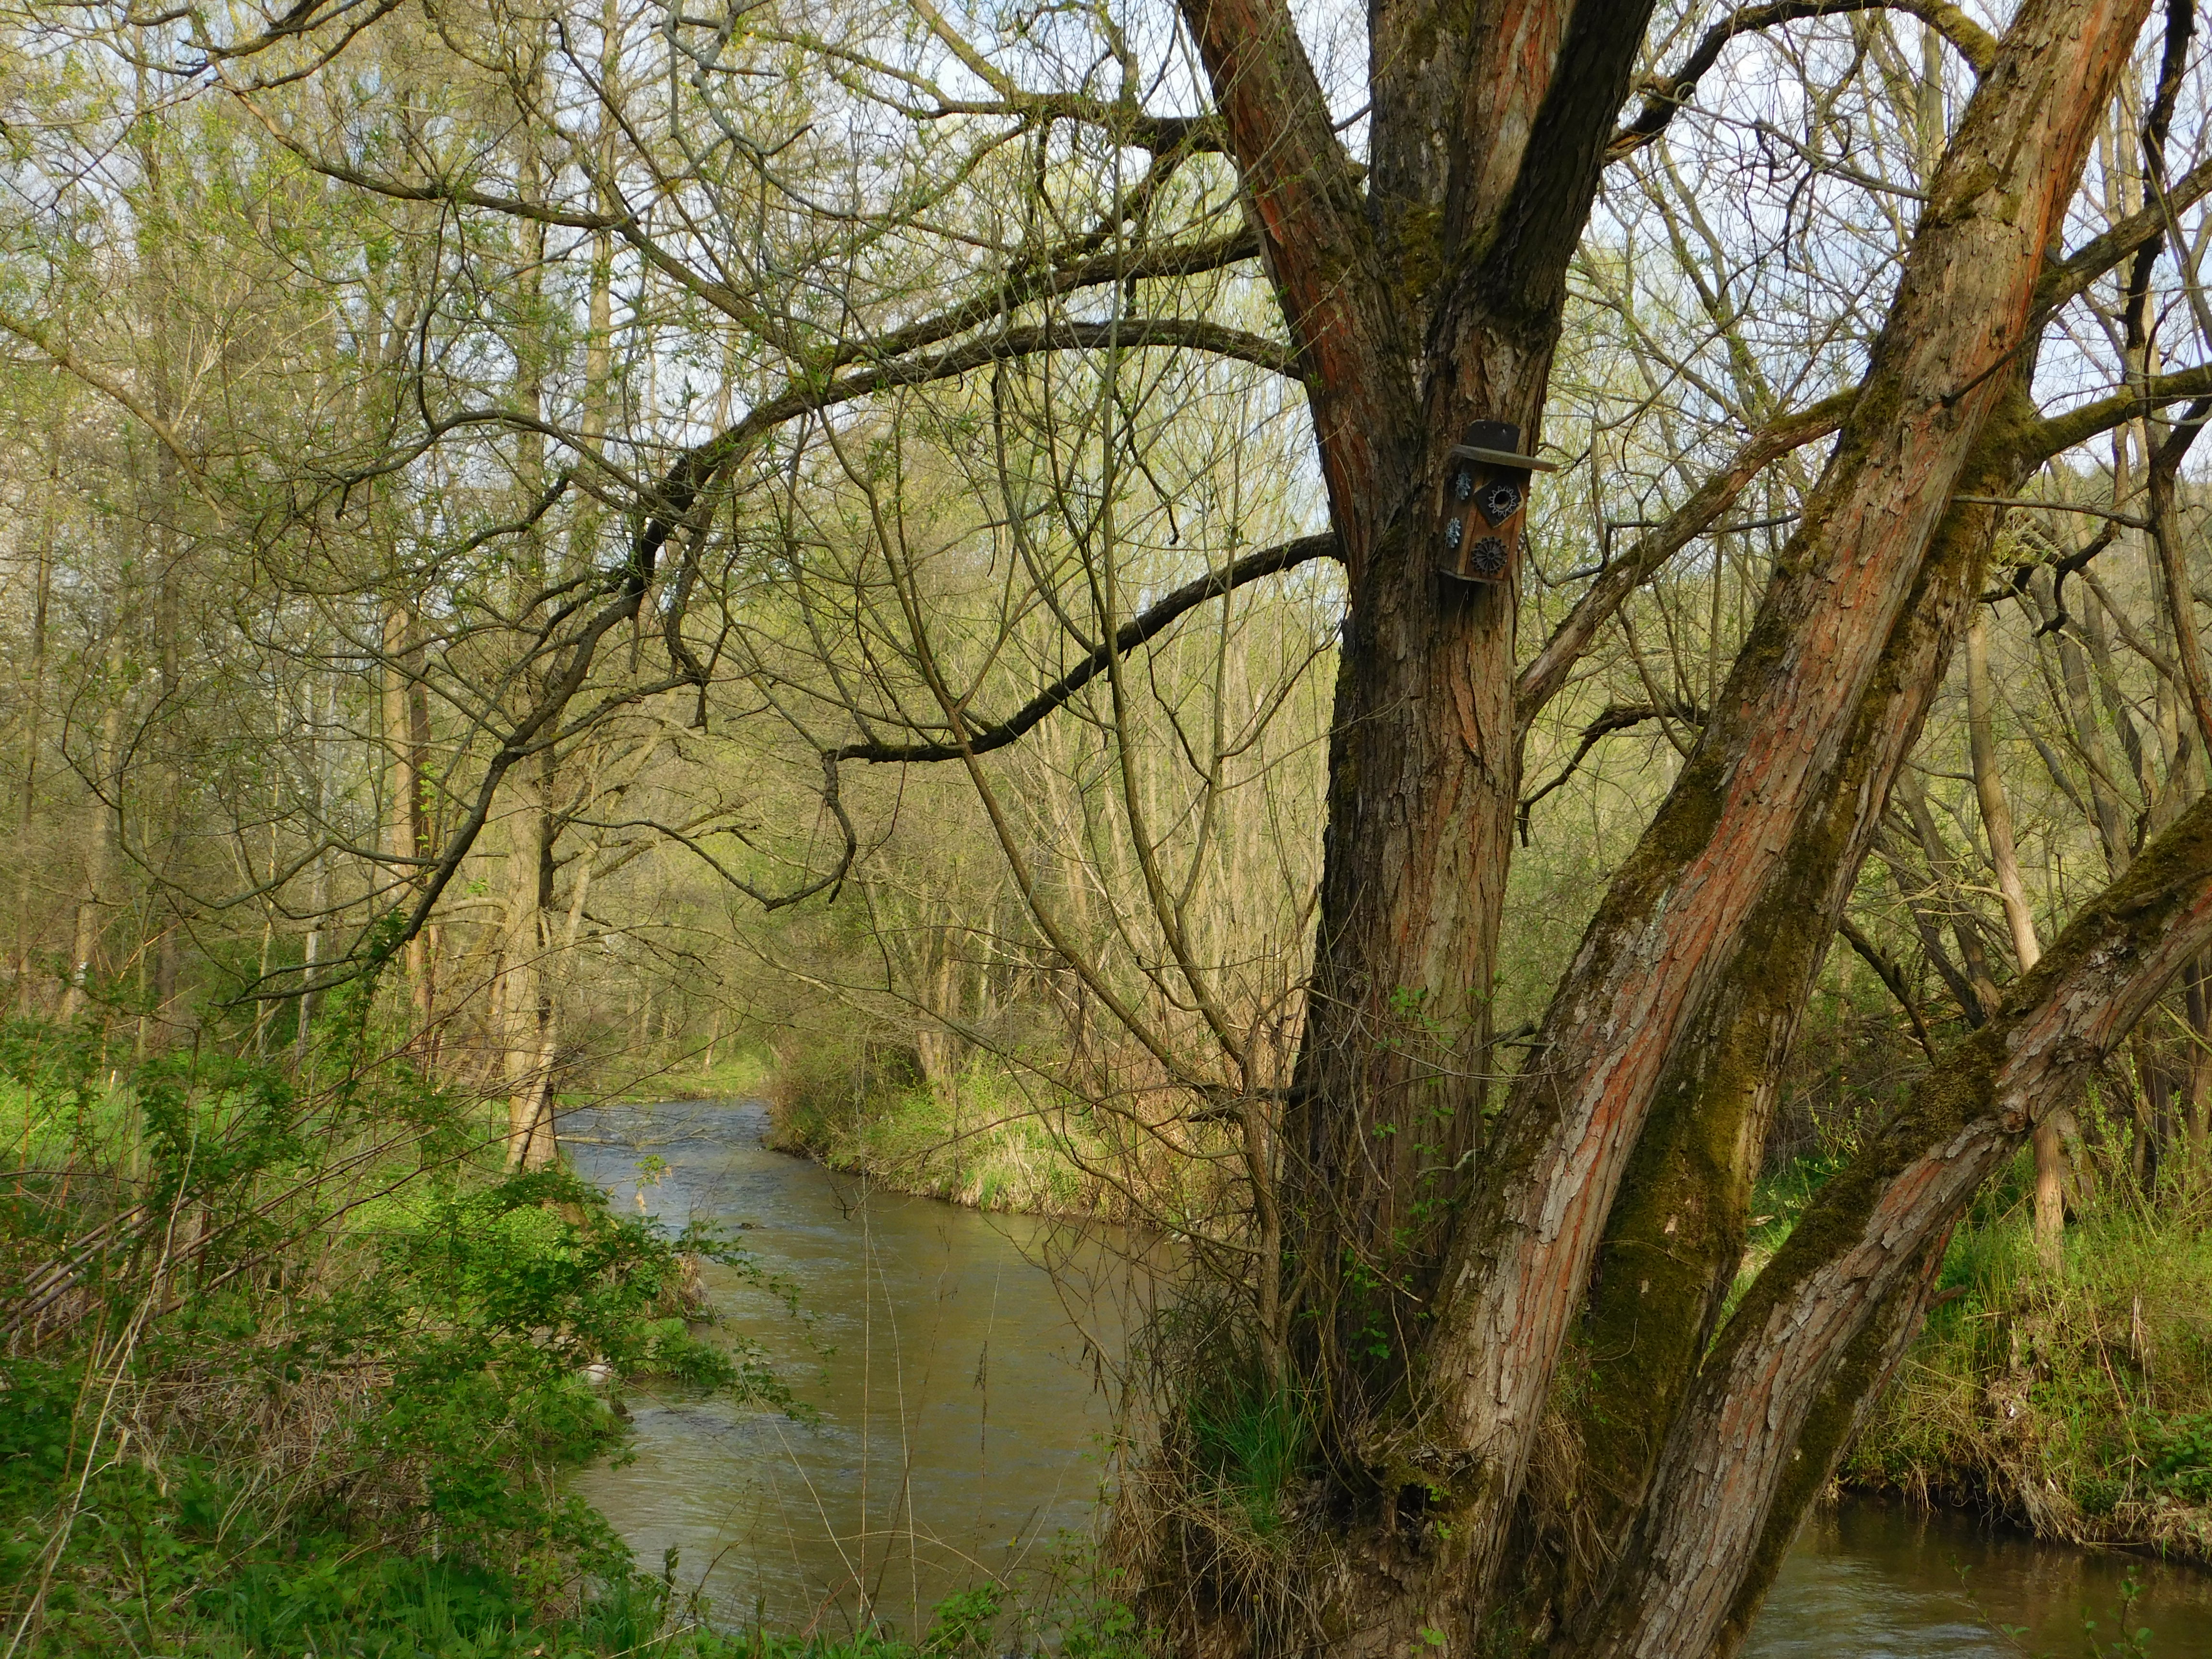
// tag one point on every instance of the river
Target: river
(958, 1416)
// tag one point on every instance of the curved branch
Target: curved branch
(115, 390)
(1539, 682)
(1620, 717)
(1151, 622)
(1051, 279)
(1160, 134)
(681, 485)
(1892, 978)
(1664, 96)
(831, 799)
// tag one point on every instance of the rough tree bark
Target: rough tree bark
(1430, 299)
(1819, 1330)
(1432, 1294)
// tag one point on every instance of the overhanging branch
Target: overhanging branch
(1663, 96)
(1149, 624)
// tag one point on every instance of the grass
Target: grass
(738, 1074)
(2078, 1404)
(1250, 1443)
(979, 1141)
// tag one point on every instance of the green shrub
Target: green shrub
(296, 1366)
(2179, 1450)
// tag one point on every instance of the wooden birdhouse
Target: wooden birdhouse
(1485, 503)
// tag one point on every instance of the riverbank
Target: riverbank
(2076, 1407)
(2075, 1404)
(986, 1142)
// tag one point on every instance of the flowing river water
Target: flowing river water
(958, 1416)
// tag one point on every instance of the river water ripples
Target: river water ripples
(959, 1414)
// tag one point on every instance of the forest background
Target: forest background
(557, 555)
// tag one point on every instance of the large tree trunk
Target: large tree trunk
(1676, 1233)
(1676, 918)
(1432, 1293)
(1386, 1099)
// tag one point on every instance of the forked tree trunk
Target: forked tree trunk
(1675, 1236)
(1432, 1294)
(1387, 1097)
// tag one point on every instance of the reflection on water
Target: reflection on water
(1880, 1579)
(960, 1420)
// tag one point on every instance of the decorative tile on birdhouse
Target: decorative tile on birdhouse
(1485, 503)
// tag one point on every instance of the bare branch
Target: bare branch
(1154, 620)
(1664, 96)
(1539, 682)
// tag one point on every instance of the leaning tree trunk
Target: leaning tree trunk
(1822, 1327)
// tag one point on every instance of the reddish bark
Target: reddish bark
(1677, 913)
(1762, 1416)
(1676, 1233)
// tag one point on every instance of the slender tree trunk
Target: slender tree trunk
(532, 1031)
(311, 954)
(34, 693)
(168, 836)
(2197, 1005)
(407, 829)
(532, 1035)
(2004, 859)
(102, 835)
(1990, 792)
(2089, 738)
(1974, 958)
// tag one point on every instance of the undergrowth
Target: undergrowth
(2078, 1404)
(293, 1365)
